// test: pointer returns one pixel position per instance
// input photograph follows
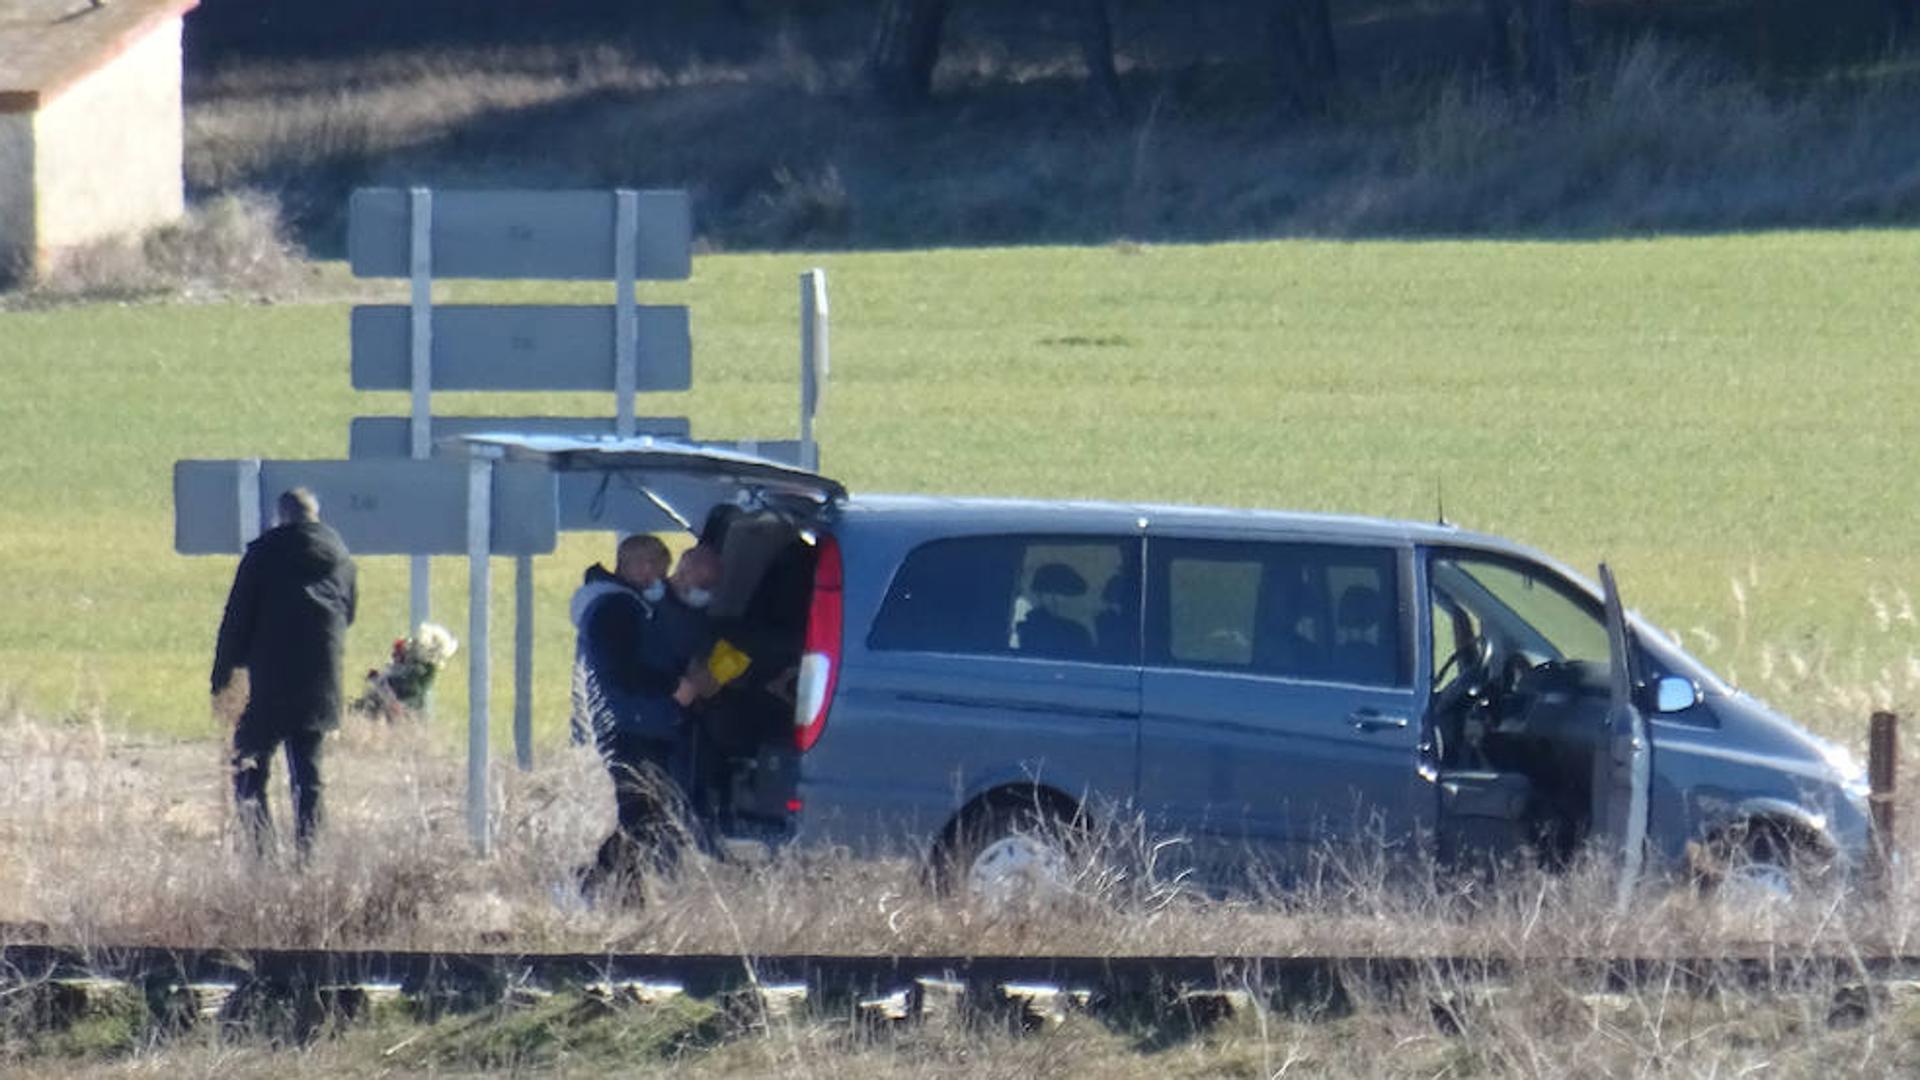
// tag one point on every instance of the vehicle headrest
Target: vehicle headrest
(1060, 580)
(1360, 607)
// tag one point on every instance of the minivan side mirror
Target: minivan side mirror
(1674, 694)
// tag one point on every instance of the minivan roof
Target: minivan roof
(724, 467)
(981, 513)
(960, 514)
(977, 514)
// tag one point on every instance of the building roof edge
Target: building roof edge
(62, 77)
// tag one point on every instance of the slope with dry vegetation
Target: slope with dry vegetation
(768, 120)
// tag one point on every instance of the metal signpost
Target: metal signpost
(417, 485)
(813, 360)
(479, 508)
(379, 507)
(547, 347)
(386, 436)
(420, 376)
(555, 235)
(479, 650)
(625, 348)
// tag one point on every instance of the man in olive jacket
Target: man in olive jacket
(286, 623)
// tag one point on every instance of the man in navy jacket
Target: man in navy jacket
(630, 684)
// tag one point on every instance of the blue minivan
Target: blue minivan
(947, 678)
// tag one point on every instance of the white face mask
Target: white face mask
(655, 592)
(696, 598)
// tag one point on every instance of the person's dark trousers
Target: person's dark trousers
(254, 744)
(648, 802)
(710, 787)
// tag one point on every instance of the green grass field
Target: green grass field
(1729, 420)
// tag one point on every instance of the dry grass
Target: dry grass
(231, 246)
(1830, 688)
(104, 839)
(109, 840)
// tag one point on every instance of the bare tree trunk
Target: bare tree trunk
(1532, 39)
(906, 43)
(1300, 33)
(1319, 23)
(1499, 15)
(1096, 45)
(1549, 44)
(1901, 17)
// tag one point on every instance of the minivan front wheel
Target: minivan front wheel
(1763, 862)
(1005, 854)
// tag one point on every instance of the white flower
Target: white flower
(434, 645)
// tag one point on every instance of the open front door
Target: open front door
(1623, 767)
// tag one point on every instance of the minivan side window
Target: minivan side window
(1042, 597)
(1323, 612)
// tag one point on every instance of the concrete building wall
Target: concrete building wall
(107, 150)
(16, 193)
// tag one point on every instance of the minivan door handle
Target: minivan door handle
(1373, 720)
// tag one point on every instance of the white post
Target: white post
(523, 661)
(626, 361)
(250, 501)
(479, 601)
(813, 359)
(421, 428)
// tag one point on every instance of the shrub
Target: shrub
(231, 245)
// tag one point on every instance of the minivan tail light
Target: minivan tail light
(820, 663)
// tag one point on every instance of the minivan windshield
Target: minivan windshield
(1567, 625)
(1524, 609)
(1548, 617)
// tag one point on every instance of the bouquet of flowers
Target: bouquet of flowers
(400, 689)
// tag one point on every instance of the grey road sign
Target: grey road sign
(522, 234)
(521, 348)
(380, 506)
(388, 436)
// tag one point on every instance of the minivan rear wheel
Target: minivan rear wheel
(1009, 853)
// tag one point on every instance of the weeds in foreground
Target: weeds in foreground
(110, 841)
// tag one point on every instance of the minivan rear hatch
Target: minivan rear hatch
(685, 479)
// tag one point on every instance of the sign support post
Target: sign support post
(813, 359)
(480, 602)
(626, 359)
(249, 494)
(523, 661)
(624, 235)
(420, 252)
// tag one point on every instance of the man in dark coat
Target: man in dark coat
(629, 686)
(286, 622)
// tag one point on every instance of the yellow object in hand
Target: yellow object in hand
(727, 663)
